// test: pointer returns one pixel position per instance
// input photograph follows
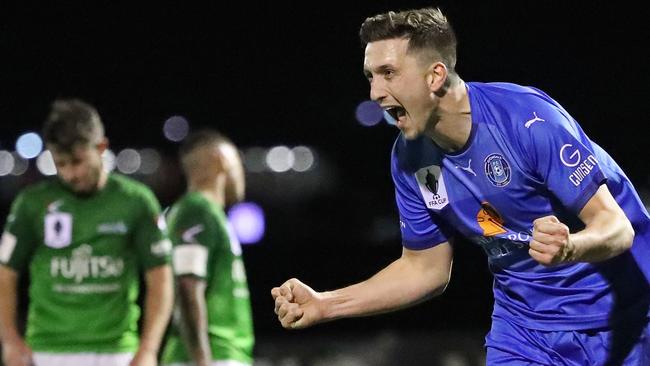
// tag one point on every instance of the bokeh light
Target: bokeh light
(128, 161)
(280, 159)
(303, 158)
(29, 145)
(150, 161)
(45, 163)
(369, 113)
(255, 159)
(247, 220)
(108, 157)
(176, 128)
(20, 164)
(6, 163)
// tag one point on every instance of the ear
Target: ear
(102, 145)
(437, 78)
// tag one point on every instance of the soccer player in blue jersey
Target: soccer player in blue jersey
(505, 166)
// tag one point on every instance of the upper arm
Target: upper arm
(602, 208)
(419, 228)
(19, 237)
(159, 276)
(195, 234)
(152, 245)
(190, 286)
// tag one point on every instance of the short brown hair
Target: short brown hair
(72, 122)
(426, 29)
(201, 138)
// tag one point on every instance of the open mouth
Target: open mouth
(396, 112)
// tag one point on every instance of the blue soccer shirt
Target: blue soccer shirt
(526, 158)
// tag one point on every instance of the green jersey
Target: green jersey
(84, 255)
(205, 247)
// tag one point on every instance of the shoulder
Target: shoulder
(37, 192)
(190, 205)
(129, 186)
(518, 110)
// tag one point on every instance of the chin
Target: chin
(410, 135)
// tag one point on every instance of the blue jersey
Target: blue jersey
(526, 158)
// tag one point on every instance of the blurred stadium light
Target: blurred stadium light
(29, 145)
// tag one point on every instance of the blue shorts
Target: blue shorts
(512, 345)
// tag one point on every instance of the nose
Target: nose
(377, 91)
(67, 173)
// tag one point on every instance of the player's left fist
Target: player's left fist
(550, 243)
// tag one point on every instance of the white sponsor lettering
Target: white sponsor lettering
(89, 288)
(572, 159)
(583, 170)
(112, 228)
(238, 271)
(240, 292)
(520, 236)
(161, 248)
(235, 245)
(82, 264)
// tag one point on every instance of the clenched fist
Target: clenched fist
(297, 305)
(550, 243)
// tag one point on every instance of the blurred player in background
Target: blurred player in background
(505, 166)
(85, 238)
(212, 319)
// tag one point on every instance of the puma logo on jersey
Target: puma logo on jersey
(468, 168)
(188, 235)
(531, 121)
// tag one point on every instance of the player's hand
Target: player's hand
(144, 357)
(16, 352)
(550, 243)
(297, 305)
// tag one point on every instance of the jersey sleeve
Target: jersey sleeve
(561, 156)
(153, 246)
(419, 228)
(194, 234)
(19, 238)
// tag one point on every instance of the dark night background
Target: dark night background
(291, 73)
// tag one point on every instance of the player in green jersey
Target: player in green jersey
(84, 238)
(212, 321)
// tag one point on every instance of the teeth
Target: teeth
(395, 112)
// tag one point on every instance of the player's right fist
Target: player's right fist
(297, 305)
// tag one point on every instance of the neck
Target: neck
(454, 121)
(103, 178)
(213, 191)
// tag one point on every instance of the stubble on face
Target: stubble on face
(398, 81)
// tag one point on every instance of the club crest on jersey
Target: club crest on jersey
(432, 186)
(497, 170)
(58, 229)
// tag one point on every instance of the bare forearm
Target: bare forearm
(157, 307)
(194, 321)
(602, 240)
(8, 299)
(397, 286)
